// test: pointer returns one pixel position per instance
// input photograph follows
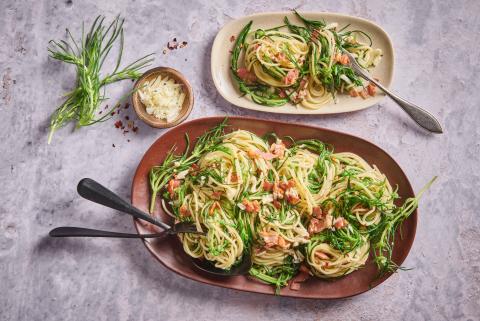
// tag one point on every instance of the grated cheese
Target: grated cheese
(163, 98)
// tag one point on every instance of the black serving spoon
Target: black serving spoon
(95, 192)
(241, 268)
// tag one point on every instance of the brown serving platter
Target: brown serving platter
(140, 108)
(170, 252)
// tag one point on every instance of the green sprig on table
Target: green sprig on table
(88, 56)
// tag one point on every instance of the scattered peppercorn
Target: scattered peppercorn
(173, 44)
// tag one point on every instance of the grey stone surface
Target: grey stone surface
(437, 51)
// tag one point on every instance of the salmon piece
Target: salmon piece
(217, 195)
(283, 243)
(278, 193)
(316, 226)
(291, 196)
(301, 277)
(317, 212)
(278, 149)
(267, 156)
(303, 83)
(184, 212)
(273, 239)
(253, 153)
(340, 223)
(214, 206)
(246, 203)
(246, 75)
(302, 89)
(251, 206)
(353, 93)
(172, 185)
(277, 204)
(363, 94)
(270, 238)
(344, 60)
(281, 58)
(258, 250)
(314, 35)
(286, 185)
(291, 77)
(256, 206)
(267, 186)
(371, 89)
(322, 256)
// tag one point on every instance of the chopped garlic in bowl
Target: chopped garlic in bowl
(163, 98)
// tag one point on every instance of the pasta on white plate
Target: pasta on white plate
(304, 65)
(301, 207)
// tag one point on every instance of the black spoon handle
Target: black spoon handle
(95, 192)
(70, 231)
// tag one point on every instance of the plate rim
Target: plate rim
(148, 245)
(300, 111)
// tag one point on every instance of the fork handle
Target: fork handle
(71, 231)
(418, 114)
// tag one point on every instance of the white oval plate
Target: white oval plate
(227, 87)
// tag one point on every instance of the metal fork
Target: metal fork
(422, 117)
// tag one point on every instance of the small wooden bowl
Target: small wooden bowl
(140, 108)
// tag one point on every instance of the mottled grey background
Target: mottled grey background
(437, 48)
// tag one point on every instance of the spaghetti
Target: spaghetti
(304, 65)
(284, 206)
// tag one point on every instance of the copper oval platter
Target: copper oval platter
(170, 253)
